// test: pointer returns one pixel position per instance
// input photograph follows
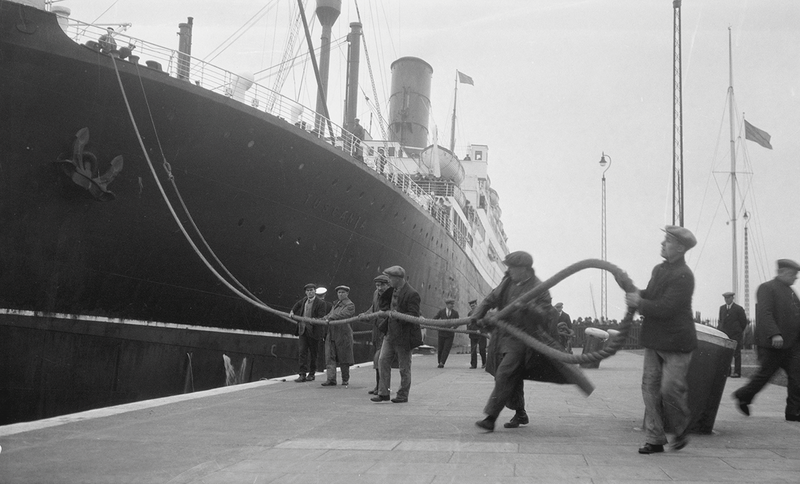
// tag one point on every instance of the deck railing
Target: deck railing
(208, 76)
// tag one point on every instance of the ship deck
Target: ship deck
(276, 431)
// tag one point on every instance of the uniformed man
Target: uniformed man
(732, 322)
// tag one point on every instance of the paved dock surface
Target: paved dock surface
(286, 432)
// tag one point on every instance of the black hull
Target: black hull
(278, 206)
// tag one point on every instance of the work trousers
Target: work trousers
(665, 393)
(332, 359)
(508, 384)
(388, 353)
(445, 343)
(307, 354)
(476, 344)
(770, 360)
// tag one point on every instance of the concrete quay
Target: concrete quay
(285, 432)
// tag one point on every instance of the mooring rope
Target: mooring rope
(498, 320)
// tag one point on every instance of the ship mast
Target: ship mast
(677, 120)
(453, 128)
(734, 268)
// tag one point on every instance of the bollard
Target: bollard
(707, 376)
(594, 340)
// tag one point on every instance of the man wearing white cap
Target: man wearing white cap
(732, 322)
(778, 338)
(669, 338)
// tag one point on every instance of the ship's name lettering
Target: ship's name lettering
(346, 216)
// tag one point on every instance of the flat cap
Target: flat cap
(310, 285)
(395, 271)
(559, 305)
(381, 278)
(788, 264)
(728, 294)
(321, 291)
(683, 235)
(449, 300)
(474, 301)
(519, 259)
(343, 288)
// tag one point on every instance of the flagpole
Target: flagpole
(734, 269)
(453, 129)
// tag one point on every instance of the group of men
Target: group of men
(394, 338)
(338, 338)
(667, 335)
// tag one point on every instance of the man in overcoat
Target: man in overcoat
(308, 334)
(445, 338)
(669, 339)
(732, 322)
(512, 353)
(401, 337)
(777, 337)
(339, 340)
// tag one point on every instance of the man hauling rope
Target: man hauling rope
(669, 338)
(509, 357)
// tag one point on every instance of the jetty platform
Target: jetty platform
(277, 431)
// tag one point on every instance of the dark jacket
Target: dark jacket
(442, 314)
(777, 312)
(666, 306)
(380, 302)
(318, 311)
(405, 300)
(732, 322)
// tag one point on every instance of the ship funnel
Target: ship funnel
(410, 104)
(185, 49)
(327, 12)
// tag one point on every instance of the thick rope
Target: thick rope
(616, 342)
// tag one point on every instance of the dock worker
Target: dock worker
(309, 335)
(339, 338)
(401, 337)
(509, 353)
(381, 301)
(669, 339)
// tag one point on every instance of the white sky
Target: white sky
(558, 82)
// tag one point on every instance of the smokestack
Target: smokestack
(353, 60)
(410, 104)
(184, 49)
(327, 13)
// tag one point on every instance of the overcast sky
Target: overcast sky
(557, 83)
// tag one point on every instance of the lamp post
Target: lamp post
(604, 160)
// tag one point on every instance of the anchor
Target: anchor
(83, 169)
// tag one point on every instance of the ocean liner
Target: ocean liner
(152, 204)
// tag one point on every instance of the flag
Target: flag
(754, 134)
(464, 79)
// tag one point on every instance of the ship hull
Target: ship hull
(278, 206)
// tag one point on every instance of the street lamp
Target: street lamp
(604, 160)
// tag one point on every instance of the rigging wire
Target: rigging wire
(239, 32)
